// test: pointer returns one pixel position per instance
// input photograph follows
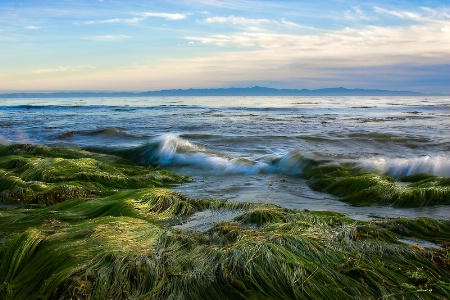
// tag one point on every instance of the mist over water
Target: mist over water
(250, 148)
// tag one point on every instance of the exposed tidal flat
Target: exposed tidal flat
(77, 224)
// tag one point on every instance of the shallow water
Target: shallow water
(204, 220)
(250, 148)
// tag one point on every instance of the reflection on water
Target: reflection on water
(204, 220)
(420, 243)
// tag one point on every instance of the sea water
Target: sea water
(250, 148)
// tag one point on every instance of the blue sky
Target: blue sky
(138, 45)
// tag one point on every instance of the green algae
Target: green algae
(43, 175)
(365, 189)
(305, 255)
(118, 241)
(262, 215)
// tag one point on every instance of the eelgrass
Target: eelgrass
(118, 243)
(43, 175)
(364, 189)
(127, 258)
(53, 260)
(262, 215)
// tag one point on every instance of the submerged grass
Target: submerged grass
(117, 242)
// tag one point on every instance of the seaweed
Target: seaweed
(119, 241)
(44, 175)
(365, 189)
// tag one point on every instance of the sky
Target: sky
(144, 45)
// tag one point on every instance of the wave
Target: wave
(47, 106)
(438, 165)
(387, 138)
(103, 132)
(173, 150)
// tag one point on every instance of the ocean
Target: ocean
(250, 148)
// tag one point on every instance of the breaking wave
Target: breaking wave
(175, 151)
(399, 167)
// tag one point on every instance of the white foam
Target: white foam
(170, 144)
(174, 150)
(438, 165)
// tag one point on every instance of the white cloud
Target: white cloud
(437, 14)
(255, 24)
(62, 69)
(357, 14)
(425, 15)
(247, 39)
(117, 20)
(32, 27)
(399, 14)
(108, 37)
(427, 38)
(139, 17)
(293, 25)
(245, 5)
(370, 45)
(54, 70)
(238, 21)
(167, 16)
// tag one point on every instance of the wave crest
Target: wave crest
(399, 167)
(173, 150)
(293, 163)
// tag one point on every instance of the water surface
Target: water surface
(250, 148)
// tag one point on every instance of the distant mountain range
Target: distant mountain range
(251, 91)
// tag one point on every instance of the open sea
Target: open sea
(251, 148)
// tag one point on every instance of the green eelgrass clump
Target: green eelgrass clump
(49, 262)
(90, 170)
(262, 215)
(44, 175)
(103, 255)
(373, 189)
(151, 204)
(427, 229)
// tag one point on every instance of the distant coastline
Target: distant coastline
(250, 91)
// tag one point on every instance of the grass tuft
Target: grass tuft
(263, 215)
(42, 175)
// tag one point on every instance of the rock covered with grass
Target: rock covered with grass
(119, 242)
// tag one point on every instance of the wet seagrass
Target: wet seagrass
(109, 233)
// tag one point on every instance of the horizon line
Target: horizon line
(214, 89)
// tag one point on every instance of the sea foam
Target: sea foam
(171, 149)
(398, 167)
